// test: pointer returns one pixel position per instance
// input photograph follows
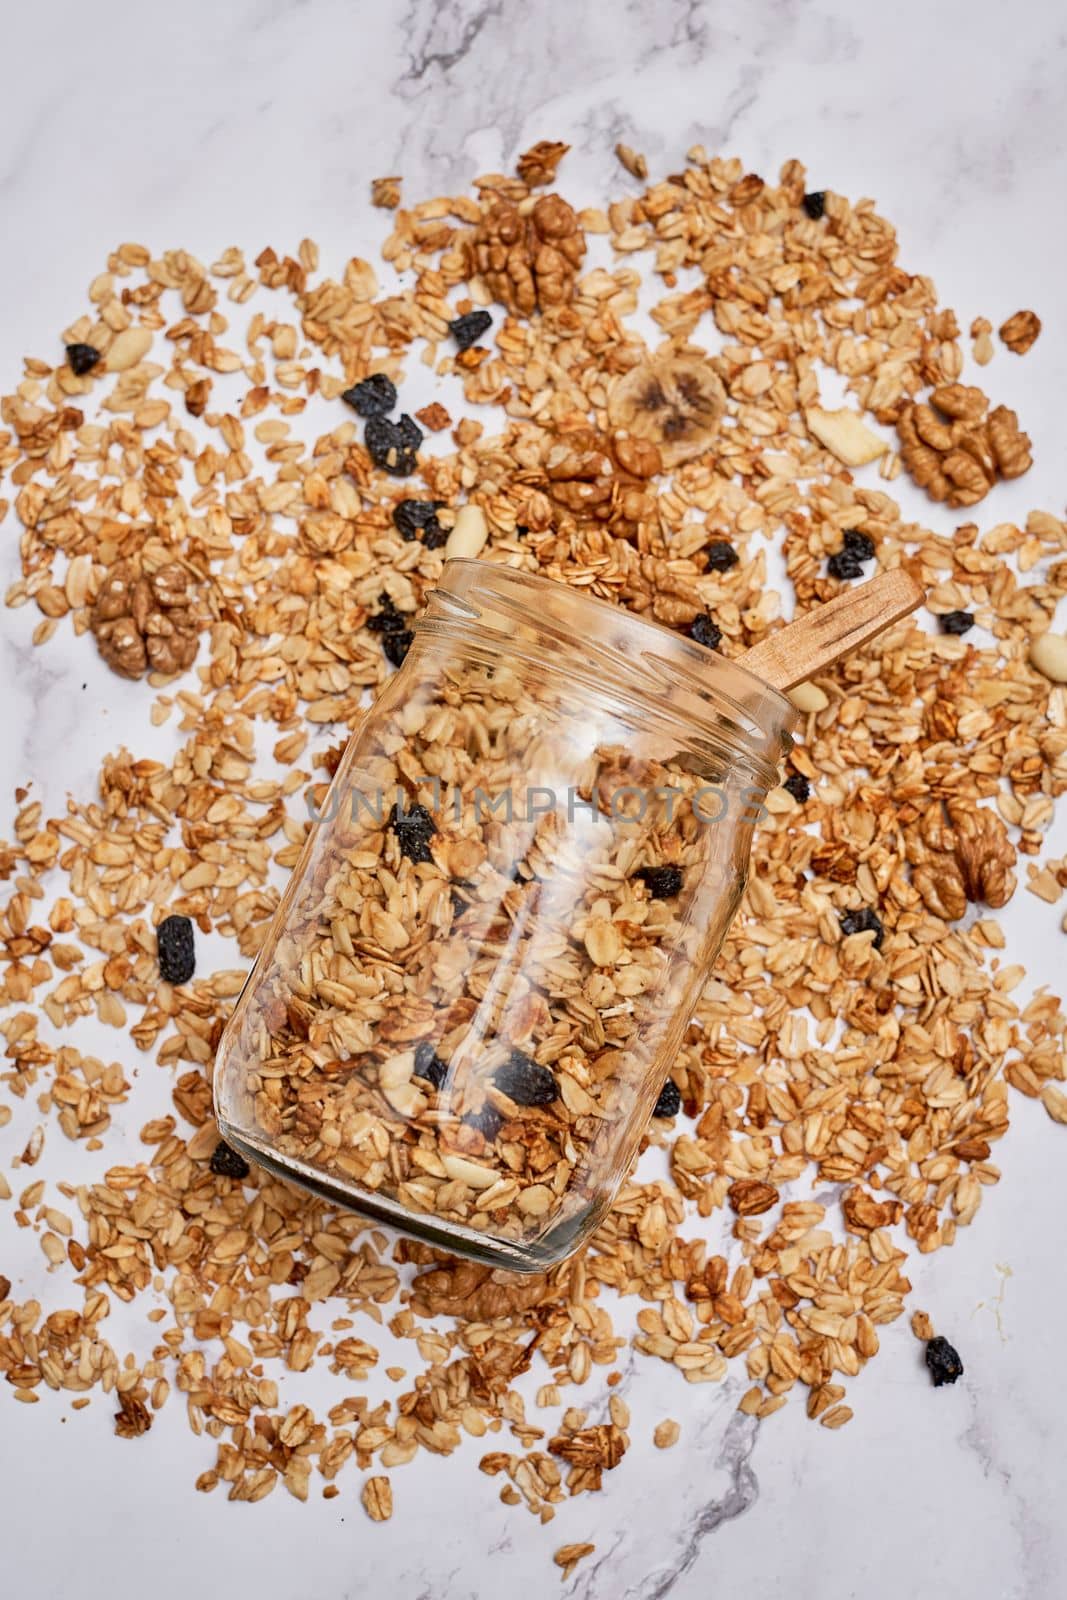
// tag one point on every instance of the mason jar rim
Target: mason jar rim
(612, 651)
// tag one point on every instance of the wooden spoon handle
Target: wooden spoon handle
(826, 633)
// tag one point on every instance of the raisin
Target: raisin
(373, 397)
(417, 519)
(396, 646)
(670, 1100)
(662, 883)
(428, 1064)
(469, 329)
(392, 445)
(226, 1163)
(943, 1361)
(844, 565)
(798, 786)
(525, 1081)
(487, 1120)
(957, 622)
(720, 556)
(704, 631)
(177, 953)
(815, 204)
(387, 619)
(860, 545)
(414, 829)
(82, 358)
(863, 921)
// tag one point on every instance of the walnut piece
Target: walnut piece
(1020, 331)
(537, 166)
(959, 854)
(529, 261)
(143, 620)
(958, 460)
(385, 193)
(478, 1293)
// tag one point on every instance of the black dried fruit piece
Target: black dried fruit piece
(863, 921)
(704, 631)
(670, 1100)
(397, 645)
(860, 545)
(373, 397)
(662, 883)
(226, 1163)
(957, 622)
(417, 519)
(521, 529)
(428, 1064)
(525, 1081)
(487, 1121)
(387, 619)
(177, 952)
(815, 204)
(82, 358)
(844, 565)
(943, 1360)
(469, 329)
(414, 829)
(798, 786)
(721, 556)
(392, 445)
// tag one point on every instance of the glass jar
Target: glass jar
(487, 956)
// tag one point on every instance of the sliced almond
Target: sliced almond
(469, 1172)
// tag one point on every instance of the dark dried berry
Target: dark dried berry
(704, 631)
(798, 786)
(721, 556)
(844, 565)
(392, 445)
(82, 358)
(387, 619)
(863, 921)
(815, 204)
(487, 1121)
(525, 1081)
(417, 519)
(226, 1163)
(943, 1361)
(428, 1064)
(860, 545)
(521, 529)
(670, 1100)
(662, 883)
(177, 953)
(414, 829)
(397, 645)
(469, 329)
(373, 397)
(957, 622)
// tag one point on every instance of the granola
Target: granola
(883, 1072)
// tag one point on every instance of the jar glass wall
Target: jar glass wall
(487, 956)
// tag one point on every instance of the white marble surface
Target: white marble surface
(260, 121)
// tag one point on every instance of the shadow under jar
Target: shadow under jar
(487, 956)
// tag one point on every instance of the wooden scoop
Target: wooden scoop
(822, 636)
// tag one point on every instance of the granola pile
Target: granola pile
(187, 476)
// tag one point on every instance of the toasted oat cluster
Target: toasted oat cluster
(857, 1038)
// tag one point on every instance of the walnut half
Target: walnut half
(144, 620)
(955, 451)
(529, 259)
(961, 853)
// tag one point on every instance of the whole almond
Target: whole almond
(469, 534)
(127, 348)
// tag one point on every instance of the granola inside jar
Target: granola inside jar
(487, 956)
